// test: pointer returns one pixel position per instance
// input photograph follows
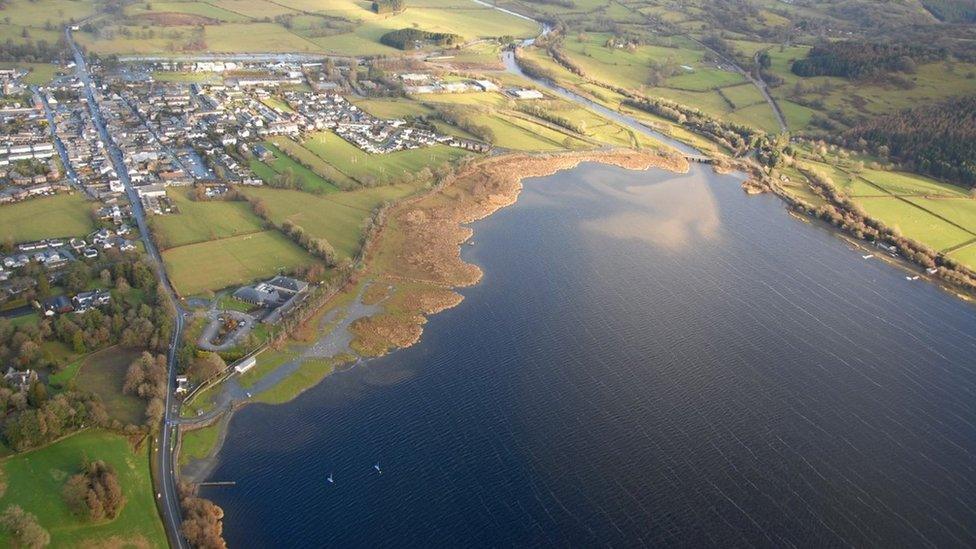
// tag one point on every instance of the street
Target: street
(166, 482)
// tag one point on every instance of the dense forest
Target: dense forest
(408, 39)
(952, 11)
(855, 59)
(938, 139)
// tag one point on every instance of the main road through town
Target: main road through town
(165, 477)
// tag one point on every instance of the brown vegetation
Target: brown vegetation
(23, 528)
(95, 493)
(202, 520)
(420, 254)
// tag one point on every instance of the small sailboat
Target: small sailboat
(330, 479)
(377, 467)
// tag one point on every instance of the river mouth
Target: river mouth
(650, 358)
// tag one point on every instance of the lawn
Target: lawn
(216, 264)
(267, 362)
(39, 75)
(337, 217)
(391, 108)
(202, 220)
(103, 373)
(186, 77)
(308, 179)
(307, 376)
(62, 215)
(35, 480)
(362, 166)
(277, 104)
(330, 179)
(198, 443)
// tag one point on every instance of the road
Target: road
(58, 144)
(165, 480)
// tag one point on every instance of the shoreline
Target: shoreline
(436, 224)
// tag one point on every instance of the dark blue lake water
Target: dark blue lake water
(651, 359)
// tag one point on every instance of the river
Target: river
(651, 359)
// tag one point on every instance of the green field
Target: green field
(337, 217)
(309, 375)
(199, 221)
(103, 373)
(216, 264)
(330, 178)
(39, 75)
(248, 26)
(362, 166)
(391, 108)
(267, 362)
(198, 443)
(35, 480)
(308, 179)
(203, 9)
(914, 223)
(46, 217)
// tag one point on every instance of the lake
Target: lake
(651, 359)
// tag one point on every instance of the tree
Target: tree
(205, 367)
(24, 528)
(202, 524)
(95, 493)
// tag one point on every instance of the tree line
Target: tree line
(408, 38)
(937, 139)
(854, 59)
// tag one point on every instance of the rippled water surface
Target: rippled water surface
(651, 359)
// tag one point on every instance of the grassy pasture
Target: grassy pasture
(254, 9)
(961, 211)
(914, 222)
(255, 37)
(308, 179)
(391, 108)
(198, 443)
(46, 217)
(216, 264)
(743, 95)
(186, 77)
(338, 217)
(204, 9)
(326, 172)
(759, 116)
(199, 221)
(705, 79)
(103, 373)
(965, 255)
(37, 13)
(39, 75)
(360, 165)
(905, 183)
(35, 480)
